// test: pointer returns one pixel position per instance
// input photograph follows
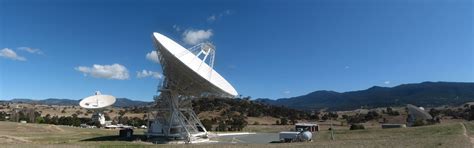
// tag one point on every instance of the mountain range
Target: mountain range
(120, 102)
(428, 94)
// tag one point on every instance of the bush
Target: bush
(357, 127)
(207, 124)
(283, 121)
(40, 120)
(419, 122)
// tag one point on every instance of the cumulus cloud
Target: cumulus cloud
(10, 54)
(193, 37)
(386, 82)
(30, 50)
(114, 71)
(153, 56)
(147, 73)
(286, 92)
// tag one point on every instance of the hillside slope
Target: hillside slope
(424, 94)
(120, 102)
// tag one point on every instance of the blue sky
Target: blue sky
(266, 49)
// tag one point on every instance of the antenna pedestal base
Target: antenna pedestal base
(174, 118)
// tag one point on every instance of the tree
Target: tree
(391, 112)
(47, 119)
(357, 126)
(283, 121)
(40, 120)
(314, 116)
(207, 124)
(238, 123)
(121, 112)
(418, 122)
(78, 112)
(325, 117)
(434, 112)
(222, 126)
(2, 116)
(371, 115)
(333, 115)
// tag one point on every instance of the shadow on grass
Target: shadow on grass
(116, 138)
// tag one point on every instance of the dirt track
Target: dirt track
(467, 136)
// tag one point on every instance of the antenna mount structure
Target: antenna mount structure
(188, 74)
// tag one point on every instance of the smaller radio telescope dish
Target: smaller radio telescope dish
(417, 113)
(98, 103)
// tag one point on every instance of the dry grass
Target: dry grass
(41, 135)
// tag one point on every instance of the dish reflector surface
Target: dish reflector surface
(418, 113)
(97, 101)
(190, 71)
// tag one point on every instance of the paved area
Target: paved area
(257, 138)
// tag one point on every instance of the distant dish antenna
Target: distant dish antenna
(98, 103)
(188, 74)
(416, 113)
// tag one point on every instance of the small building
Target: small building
(312, 127)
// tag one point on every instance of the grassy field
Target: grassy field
(41, 135)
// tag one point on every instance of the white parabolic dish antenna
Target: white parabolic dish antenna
(180, 64)
(416, 113)
(188, 74)
(97, 101)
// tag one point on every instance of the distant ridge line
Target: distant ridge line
(429, 94)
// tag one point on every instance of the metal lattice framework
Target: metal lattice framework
(173, 111)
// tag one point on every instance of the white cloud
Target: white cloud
(346, 67)
(226, 12)
(211, 18)
(214, 17)
(153, 56)
(286, 92)
(177, 28)
(147, 73)
(386, 82)
(114, 71)
(10, 54)
(30, 50)
(193, 37)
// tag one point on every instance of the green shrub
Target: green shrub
(357, 127)
(418, 122)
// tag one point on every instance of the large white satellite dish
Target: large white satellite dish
(187, 65)
(98, 103)
(188, 74)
